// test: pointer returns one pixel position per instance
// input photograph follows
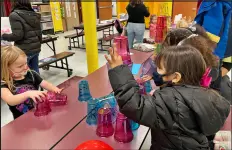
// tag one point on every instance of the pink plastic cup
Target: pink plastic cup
(57, 99)
(42, 108)
(123, 132)
(121, 43)
(104, 123)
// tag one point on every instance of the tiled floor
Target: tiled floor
(56, 76)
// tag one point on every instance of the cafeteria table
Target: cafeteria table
(30, 132)
(84, 132)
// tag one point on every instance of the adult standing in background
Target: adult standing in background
(136, 23)
(26, 31)
(214, 16)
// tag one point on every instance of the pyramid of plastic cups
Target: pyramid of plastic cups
(42, 108)
(108, 101)
(56, 99)
(92, 112)
(123, 132)
(104, 123)
(84, 92)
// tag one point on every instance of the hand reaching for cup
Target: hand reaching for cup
(116, 59)
(57, 90)
(146, 78)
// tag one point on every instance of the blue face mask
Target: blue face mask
(158, 79)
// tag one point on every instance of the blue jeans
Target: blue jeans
(33, 62)
(135, 31)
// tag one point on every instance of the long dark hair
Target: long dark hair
(135, 2)
(174, 36)
(186, 60)
(21, 4)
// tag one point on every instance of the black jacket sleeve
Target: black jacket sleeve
(146, 12)
(140, 108)
(16, 27)
(211, 110)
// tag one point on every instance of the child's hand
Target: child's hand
(153, 57)
(36, 95)
(57, 90)
(116, 60)
(146, 78)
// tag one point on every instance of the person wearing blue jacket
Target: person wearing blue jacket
(214, 16)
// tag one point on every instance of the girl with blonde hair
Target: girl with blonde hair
(19, 84)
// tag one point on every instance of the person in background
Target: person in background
(175, 36)
(180, 114)
(26, 31)
(227, 61)
(215, 17)
(152, 26)
(19, 85)
(136, 23)
(199, 39)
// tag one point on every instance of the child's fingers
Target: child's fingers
(37, 97)
(115, 50)
(110, 51)
(107, 58)
(43, 94)
(34, 100)
(61, 90)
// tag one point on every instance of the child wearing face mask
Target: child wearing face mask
(182, 113)
(200, 41)
(19, 85)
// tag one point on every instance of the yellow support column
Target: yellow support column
(89, 19)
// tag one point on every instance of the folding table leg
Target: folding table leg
(68, 70)
(70, 46)
(82, 40)
(74, 45)
(78, 42)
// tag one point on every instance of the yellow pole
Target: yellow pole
(89, 19)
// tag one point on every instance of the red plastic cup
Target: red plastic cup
(104, 123)
(42, 108)
(159, 37)
(123, 132)
(162, 21)
(57, 99)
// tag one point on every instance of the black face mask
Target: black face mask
(158, 79)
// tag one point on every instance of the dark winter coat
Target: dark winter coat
(180, 116)
(26, 30)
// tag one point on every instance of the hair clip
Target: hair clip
(181, 42)
(206, 79)
(193, 35)
(192, 26)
